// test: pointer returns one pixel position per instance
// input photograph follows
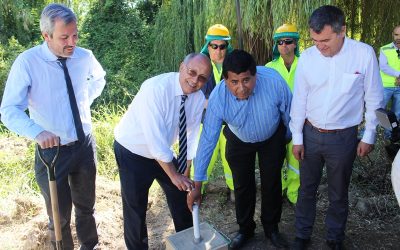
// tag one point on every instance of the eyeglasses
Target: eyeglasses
(193, 73)
(216, 46)
(286, 41)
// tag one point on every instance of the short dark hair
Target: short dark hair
(238, 61)
(327, 15)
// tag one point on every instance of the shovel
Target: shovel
(53, 194)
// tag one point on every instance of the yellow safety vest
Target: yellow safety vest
(393, 61)
(279, 65)
(217, 74)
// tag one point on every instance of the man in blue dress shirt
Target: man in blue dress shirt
(37, 81)
(254, 102)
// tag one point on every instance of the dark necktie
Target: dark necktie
(72, 101)
(182, 157)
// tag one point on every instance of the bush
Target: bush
(8, 53)
(119, 40)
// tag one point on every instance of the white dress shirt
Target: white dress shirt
(385, 67)
(150, 126)
(331, 92)
(36, 81)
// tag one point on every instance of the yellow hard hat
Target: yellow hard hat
(285, 31)
(218, 32)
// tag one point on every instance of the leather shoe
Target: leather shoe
(239, 240)
(277, 240)
(335, 245)
(300, 244)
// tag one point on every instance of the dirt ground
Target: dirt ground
(24, 225)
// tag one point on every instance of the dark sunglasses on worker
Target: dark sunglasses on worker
(286, 41)
(216, 46)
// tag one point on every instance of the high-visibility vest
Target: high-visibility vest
(279, 65)
(393, 61)
(217, 74)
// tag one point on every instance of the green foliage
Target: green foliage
(104, 121)
(181, 25)
(17, 153)
(16, 161)
(148, 9)
(173, 34)
(120, 42)
(370, 21)
(20, 20)
(8, 53)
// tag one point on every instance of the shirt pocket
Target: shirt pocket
(351, 82)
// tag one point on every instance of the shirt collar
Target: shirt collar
(178, 88)
(49, 56)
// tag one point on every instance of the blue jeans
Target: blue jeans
(75, 172)
(392, 93)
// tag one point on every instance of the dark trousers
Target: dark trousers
(337, 151)
(241, 157)
(75, 172)
(136, 174)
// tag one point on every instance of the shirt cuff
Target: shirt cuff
(369, 136)
(297, 138)
(200, 177)
(34, 131)
(164, 157)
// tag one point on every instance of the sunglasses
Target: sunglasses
(216, 46)
(286, 41)
(193, 73)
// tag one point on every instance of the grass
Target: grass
(17, 154)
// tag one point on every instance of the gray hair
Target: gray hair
(51, 13)
(193, 55)
(327, 15)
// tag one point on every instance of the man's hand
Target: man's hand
(397, 81)
(182, 182)
(364, 149)
(194, 196)
(298, 152)
(47, 139)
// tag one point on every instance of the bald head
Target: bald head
(194, 72)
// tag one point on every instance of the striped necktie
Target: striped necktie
(182, 157)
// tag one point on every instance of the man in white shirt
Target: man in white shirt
(335, 80)
(143, 145)
(38, 81)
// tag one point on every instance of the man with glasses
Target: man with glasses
(337, 83)
(216, 47)
(254, 102)
(285, 57)
(166, 107)
(389, 63)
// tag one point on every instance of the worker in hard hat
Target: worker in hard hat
(216, 47)
(285, 57)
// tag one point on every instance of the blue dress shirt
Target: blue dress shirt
(252, 120)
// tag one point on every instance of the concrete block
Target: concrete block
(211, 239)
